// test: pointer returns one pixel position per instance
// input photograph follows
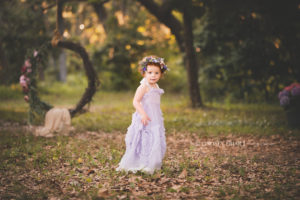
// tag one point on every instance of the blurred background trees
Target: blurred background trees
(22, 27)
(248, 48)
(245, 50)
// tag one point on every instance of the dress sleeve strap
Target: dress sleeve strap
(144, 82)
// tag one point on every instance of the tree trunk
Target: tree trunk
(3, 63)
(62, 60)
(184, 38)
(191, 61)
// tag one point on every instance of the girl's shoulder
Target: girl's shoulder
(143, 88)
(146, 87)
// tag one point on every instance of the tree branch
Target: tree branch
(101, 12)
(163, 13)
(166, 7)
(48, 7)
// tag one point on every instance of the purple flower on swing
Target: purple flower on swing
(289, 95)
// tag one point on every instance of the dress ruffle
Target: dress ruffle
(139, 155)
(145, 145)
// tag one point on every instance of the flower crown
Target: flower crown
(152, 59)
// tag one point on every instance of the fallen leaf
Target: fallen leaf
(90, 171)
(164, 180)
(122, 197)
(183, 174)
(79, 160)
(79, 170)
(176, 187)
(103, 193)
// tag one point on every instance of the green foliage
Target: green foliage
(121, 51)
(247, 49)
(37, 107)
(126, 44)
(22, 27)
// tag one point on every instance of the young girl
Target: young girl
(145, 139)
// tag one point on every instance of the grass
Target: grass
(111, 111)
(82, 165)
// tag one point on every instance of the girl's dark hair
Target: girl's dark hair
(153, 60)
(155, 64)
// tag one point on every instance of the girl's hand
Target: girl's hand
(145, 120)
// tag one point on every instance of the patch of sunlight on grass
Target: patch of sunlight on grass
(13, 91)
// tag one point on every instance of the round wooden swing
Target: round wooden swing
(57, 119)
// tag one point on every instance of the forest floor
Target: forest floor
(82, 166)
(222, 151)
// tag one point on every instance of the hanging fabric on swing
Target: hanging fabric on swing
(57, 122)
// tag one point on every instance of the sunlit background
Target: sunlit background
(245, 51)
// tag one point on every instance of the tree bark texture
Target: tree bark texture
(3, 62)
(191, 61)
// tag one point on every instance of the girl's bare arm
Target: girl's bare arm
(140, 92)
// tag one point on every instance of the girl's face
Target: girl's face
(153, 74)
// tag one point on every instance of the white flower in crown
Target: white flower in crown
(151, 59)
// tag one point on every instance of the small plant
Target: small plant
(289, 99)
(290, 96)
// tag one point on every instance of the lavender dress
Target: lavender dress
(145, 145)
